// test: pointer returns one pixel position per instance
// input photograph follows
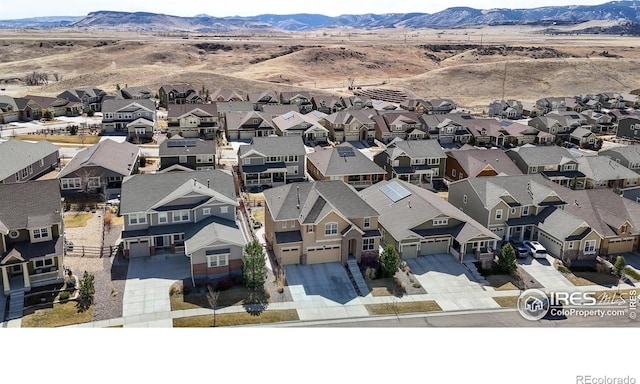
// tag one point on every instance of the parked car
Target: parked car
(536, 249)
(520, 249)
(68, 245)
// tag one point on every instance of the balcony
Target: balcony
(44, 278)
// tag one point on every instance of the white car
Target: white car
(536, 249)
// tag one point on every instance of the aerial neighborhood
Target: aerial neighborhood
(339, 181)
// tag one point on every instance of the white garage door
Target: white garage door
(621, 245)
(324, 254)
(433, 247)
(409, 251)
(139, 249)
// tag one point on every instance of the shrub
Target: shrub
(417, 285)
(64, 295)
(563, 269)
(632, 273)
(225, 283)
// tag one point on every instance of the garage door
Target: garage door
(433, 247)
(325, 254)
(139, 249)
(290, 255)
(409, 251)
(552, 245)
(621, 245)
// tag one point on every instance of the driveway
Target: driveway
(146, 290)
(450, 283)
(632, 259)
(545, 273)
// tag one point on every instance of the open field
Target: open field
(471, 66)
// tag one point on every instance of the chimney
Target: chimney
(194, 182)
(208, 183)
(298, 194)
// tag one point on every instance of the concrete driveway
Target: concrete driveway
(545, 273)
(146, 290)
(450, 283)
(632, 259)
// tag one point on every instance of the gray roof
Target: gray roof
(202, 147)
(274, 146)
(540, 156)
(559, 223)
(273, 110)
(238, 119)
(34, 202)
(137, 91)
(474, 161)
(330, 163)
(108, 154)
(525, 189)
(143, 192)
(416, 149)
(603, 168)
(401, 217)
(178, 110)
(629, 152)
(316, 200)
(17, 154)
(115, 105)
(212, 230)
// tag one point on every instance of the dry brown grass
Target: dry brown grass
(241, 318)
(76, 219)
(502, 282)
(86, 140)
(507, 301)
(57, 316)
(402, 307)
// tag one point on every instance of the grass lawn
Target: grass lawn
(502, 282)
(230, 297)
(258, 214)
(507, 301)
(228, 319)
(75, 220)
(402, 307)
(57, 316)
(632, 273)
(68, 139)
(591, 278)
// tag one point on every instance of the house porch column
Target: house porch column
(25, 273)
(5, 280)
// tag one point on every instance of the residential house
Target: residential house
(31, 236)
(136, 93)
(184, 213)
(356, 102)
(611, 100)
(454, 129)
(135, 118)
(632, 194)
(224, 95)
(461, 164)
(507, 109)
(272, 161)
(350, 125)
(487, 132)
(382, 106)
(519, 134)
(57, 106)
(555, 163)
(401, 125)
(583, 137)
(548, 104)
(418, 162)
(100, 168)
(344, 162)
(306, 126)
(91, 98)
(182, 93)
(526, 208)
(23, 161)
(224, 107)
(629, 128)
(301, 99)
(28, 109)
(193, 120)
(180, 154)
(441, 106)
(260, 99)
(616, 219)
(9, 111)
(599, 122)
(247, 125)
(327, 104)
(630, 100)
(629, 156)
(319, 222)
(417, 222)
(418, 106)
(603, 172)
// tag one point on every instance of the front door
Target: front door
(352, 247)
(16, 270)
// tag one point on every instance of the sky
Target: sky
(36, 8)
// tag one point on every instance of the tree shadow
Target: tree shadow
(256, 303)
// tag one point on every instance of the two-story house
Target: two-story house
(180, 154)
(628, 156)
(417, 222)
(135, 118)
(350, 125)
(507, 109)
(629, 128)
(526, 208)
(100, 168)
(91, 98)
(222, 94)
(31, 236)
(603, 172)
(260, 99)
(583, 137)
(454, 129)
(401, 125)
(344, 162)
(246, 125)
(356, 102)
(306, 127)
(554, 163)
(23, 161)
(418, 106)
(9, 111)
(182, 93)
(301, 99)
(327, 104)
(416, 161)
(319, 222)
(272, 161)
(599, 122)
(461, 164)
(192, 120)
(184, 213)
(441, 106)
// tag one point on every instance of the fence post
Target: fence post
(83, 251)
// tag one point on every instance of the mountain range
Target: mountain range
(626, 12)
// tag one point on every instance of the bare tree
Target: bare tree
(37, 78)
(212, 297)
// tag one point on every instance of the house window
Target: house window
(590, 246)
(204, 158)
(464, 199)
(569, 167)
(291, 159)
(41, 233)
(94, 182)
(284, 224)
(453, 172)
(137, 218)
(42, 162)
(417, 161)
(181, 216)
(432, 161)
(182, 159)
(331, 229)
(440, 222)
(43, 263)
(217, 260)
(571, 245)
(162, 217)
(368, 244)
(206, 211)
(513, 211)
(224, 209)
(499, 214)
(367, 222)
(310, 228)
(178, 239)
(139, 131)
(72, 183)
(525, 210)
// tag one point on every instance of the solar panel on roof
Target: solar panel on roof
(181, 143)
(287, 115)
(394, 191)
(467, 117)
(345, 152)
(574, 116)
